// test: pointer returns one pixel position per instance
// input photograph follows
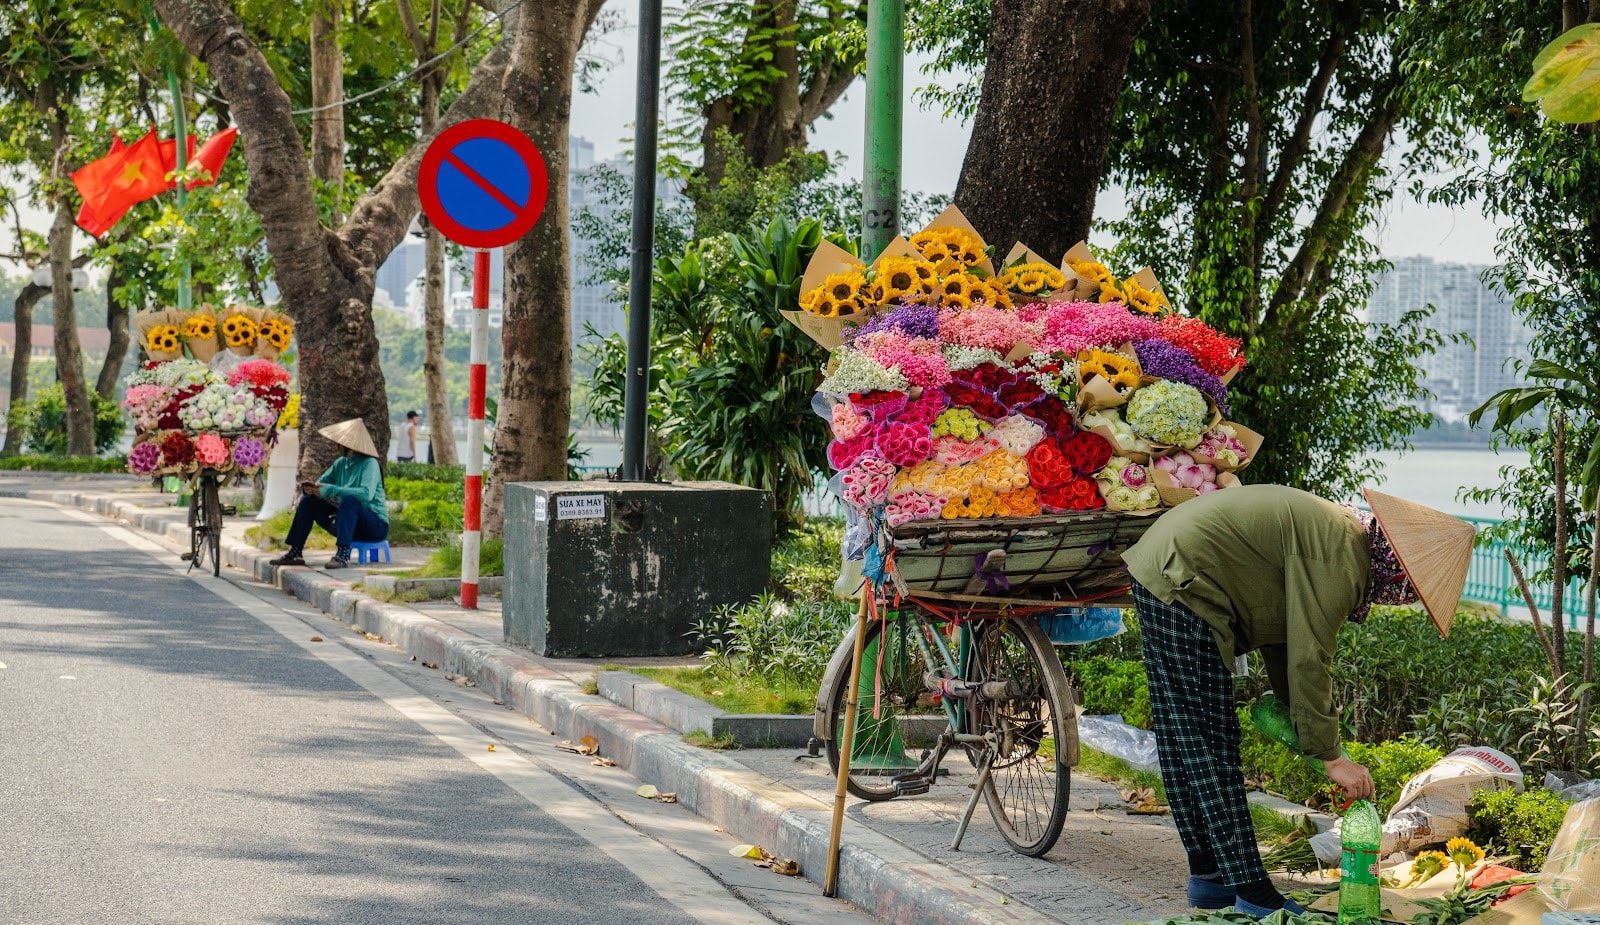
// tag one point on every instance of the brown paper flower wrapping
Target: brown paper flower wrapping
(200, 347)
(265, 348)
(144, 322)
(1252, 445)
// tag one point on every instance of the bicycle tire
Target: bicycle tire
(197, 534)
(213, 509)
(1028, 786)
(900, 738)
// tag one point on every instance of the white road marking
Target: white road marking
(675, 879)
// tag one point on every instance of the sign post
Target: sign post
(482, 184)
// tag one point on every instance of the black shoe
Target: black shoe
(341, 559)
(292, 557)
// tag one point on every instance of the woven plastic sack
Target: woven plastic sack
(1571, 876)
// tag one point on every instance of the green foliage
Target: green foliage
(1565, 74)
(446, 560)
(44, 420)
(1257, 222)
(1521, 825)
(806, 562)
(433, 516)
(401, 351)
(396, 489)
(1275, 768)
(732, 379)
(772, 641)
(1111, 768)
(737, 694)
(424, 472)
(1114, 686)
(64, 463)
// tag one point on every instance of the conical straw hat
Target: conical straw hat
(353, 434)
(1434, 548)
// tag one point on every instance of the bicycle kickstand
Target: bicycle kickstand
(972, 803)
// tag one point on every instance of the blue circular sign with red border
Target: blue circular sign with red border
(483, 183)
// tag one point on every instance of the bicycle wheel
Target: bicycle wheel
(213, 512)
(897, 724)
(1028, 788)
(197, 531)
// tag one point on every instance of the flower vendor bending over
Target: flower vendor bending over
(1276, 570)
(347, 500)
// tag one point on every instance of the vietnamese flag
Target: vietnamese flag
(86, 217)
(119, 181)
(212, 155)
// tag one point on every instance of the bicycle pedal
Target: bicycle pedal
(910, 784)
(186, 556)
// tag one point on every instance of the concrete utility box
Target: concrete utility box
(627, 568)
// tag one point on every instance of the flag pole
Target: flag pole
(180, 145)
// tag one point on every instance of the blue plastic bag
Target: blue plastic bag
(1074, 626)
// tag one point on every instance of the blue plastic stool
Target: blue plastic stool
(369, 552)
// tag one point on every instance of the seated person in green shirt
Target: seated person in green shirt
(1276, 570)
(347, 501)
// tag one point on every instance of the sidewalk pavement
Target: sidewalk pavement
(1109, 868)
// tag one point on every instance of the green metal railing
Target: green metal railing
(1489, 578)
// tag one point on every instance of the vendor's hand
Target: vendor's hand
(1354, 779)
(311, 488)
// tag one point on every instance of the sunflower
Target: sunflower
(1110, 293)
(1115, 368)
(958, 287)
(844, 285)
(277, 332)
(927, 276)
(996, 294)
(1426, 865)
(808, 301)
(931, 243)
(895, 277)
(1029, 281)
(1145, 300)
(199, 327)
(847, 306)
(1463, 852)
(1092, 269)
(824, 305)
(970, 252)
(163, 338)
(239, 331)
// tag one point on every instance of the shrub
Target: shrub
(1521, 825)
(396, 489)
(44, 420)
(806, 563)
(65, 463)
(426, 472)
(774, 640)
(1114, 686)
(1273, 767)
(436, 516)
(446, 560)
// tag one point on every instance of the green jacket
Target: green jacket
(358, 477)
(1268, 568)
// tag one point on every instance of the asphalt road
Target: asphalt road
(178, 749)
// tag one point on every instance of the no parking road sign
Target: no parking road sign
(483, 183)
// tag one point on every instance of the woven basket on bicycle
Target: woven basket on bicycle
(1063, 557)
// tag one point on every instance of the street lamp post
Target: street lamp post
(636, 401)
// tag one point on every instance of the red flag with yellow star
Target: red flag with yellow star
(119, 181)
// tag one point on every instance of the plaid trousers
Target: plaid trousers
(1197, 737)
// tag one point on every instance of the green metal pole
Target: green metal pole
(180, 129)
(880, 182)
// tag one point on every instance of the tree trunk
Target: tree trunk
(327, 90)
(26, 299)
(1032, 177)
(326, 277)
(69, 353)
(117, 322)
(530, 440)
(441, 433)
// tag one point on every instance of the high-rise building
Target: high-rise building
(1461, 376)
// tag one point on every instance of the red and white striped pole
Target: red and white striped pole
(478, 374)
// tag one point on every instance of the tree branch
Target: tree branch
(1299, 144)
(408, 20)
(1343, 190)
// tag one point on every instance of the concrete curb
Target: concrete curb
(436, 589)
(876, 873)
(682, 713)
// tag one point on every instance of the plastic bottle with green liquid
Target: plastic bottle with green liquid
(1360, 834)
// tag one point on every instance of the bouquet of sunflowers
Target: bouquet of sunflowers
(959, 389)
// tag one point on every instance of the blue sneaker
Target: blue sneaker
(1260, 912)
(1210, 894)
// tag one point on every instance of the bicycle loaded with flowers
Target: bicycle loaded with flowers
(211, 395)
(960, 391)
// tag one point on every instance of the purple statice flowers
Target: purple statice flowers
(1165, 360)
(910, 320)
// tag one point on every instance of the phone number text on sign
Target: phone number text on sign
(580, 507)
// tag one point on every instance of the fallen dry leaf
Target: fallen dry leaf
(648, 791)
(786, 867)
(356, 629)
(665, 798)
(603, 762)
(491, 746)
(374, 637)
(590, 746)
(499, 703)
(316, 638)
(461, 680)
(413, 658)
(433, 665)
